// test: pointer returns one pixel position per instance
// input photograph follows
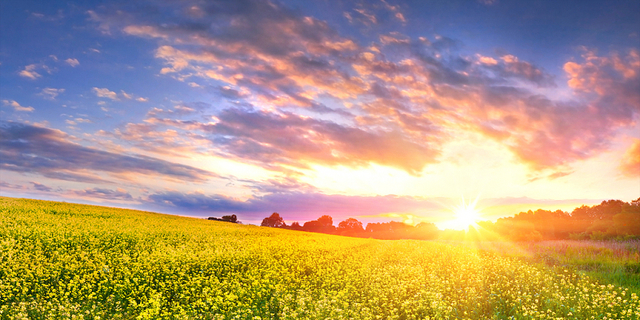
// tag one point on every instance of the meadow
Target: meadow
(615, 262)
(61, 261)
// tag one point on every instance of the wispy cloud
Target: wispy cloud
(106, 93)
(16, 106)
(41, 187)
(102, 193)
(50, 153)
(51, 93)
(30, 72)
(72, 62)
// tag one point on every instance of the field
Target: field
(615, 262)
(61, 260)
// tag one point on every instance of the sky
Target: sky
(376, 110)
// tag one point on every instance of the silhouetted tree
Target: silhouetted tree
(295, 226)
(350, 226)
(232, 218)
(389, 230)
(274, 221)
(324, 224)
(425, 231)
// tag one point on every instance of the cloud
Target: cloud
(520, 69)
(16, 106)
(614, 79)
(7, 185)
(29, 72)
(630, 165)
(106, 93)
(51, 93)
(101, 193)
(150, 137)
(488, 2)
(72, 62)
(50, 153)
(299, 93)
(370, 13)
(289, 139)
(41, 187)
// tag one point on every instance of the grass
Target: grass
(68, 261)
(609, 262)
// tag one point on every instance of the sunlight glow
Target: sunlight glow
(466, 214)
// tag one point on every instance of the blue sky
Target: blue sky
(378, 110)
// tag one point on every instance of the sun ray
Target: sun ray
(466, 214)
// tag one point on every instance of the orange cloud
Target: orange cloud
(29, 72)
(630, 165)
(16, 106)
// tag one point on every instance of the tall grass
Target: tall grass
(610, 262)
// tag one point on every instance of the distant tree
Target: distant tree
(350, 226)
(295, 226)
(324, 224)
(604, 211)
(390, 230)
(274, 221)
(232, 218)
(425, 231)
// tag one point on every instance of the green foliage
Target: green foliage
(60, 261)
(610, 262)
(612, 219)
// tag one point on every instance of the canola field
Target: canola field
(69, 261)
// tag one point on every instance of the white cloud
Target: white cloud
(126, 95)
(72, 62)
(105, 93)
(50, 93)
(16, 106)
(82, 120)
(29, 72)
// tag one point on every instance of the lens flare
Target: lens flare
(466, 214)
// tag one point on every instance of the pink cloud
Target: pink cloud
(29, 72)
(630, 165)
(16, 106)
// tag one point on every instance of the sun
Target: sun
(466, 215)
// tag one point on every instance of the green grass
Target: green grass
(61, 261)
(609, 262)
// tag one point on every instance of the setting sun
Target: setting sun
(466, 214)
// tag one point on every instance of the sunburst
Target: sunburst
(466, 214)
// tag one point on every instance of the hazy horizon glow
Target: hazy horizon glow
(377, 110)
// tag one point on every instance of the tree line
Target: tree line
(612, 219)
(354, 228)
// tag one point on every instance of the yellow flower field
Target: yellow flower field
(61, 260)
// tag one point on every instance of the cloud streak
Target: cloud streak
(16, 106)
(50, 153)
